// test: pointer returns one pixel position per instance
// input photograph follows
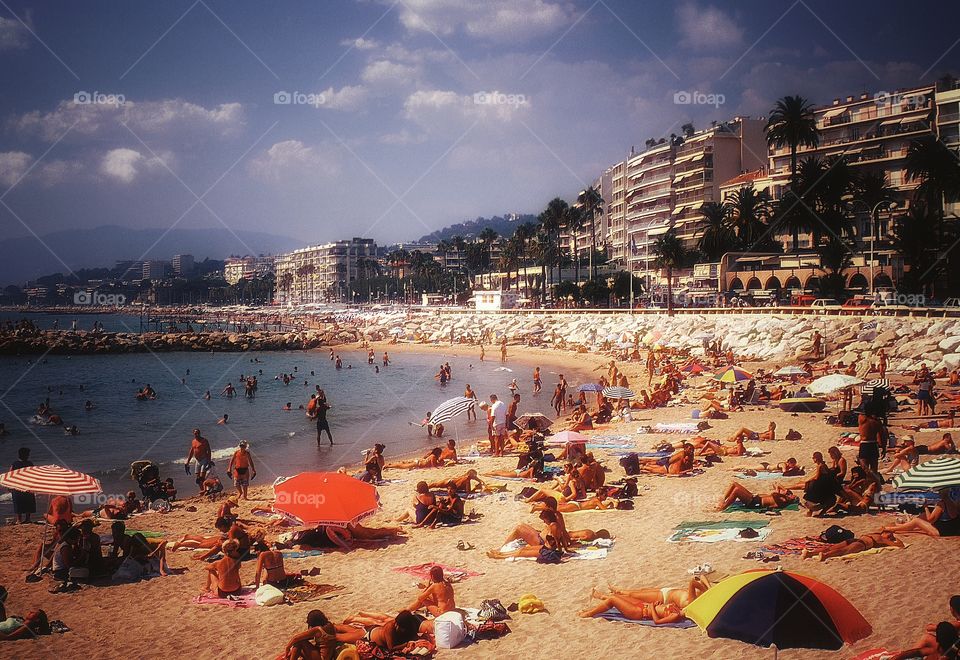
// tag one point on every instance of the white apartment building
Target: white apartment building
(648, 202)
(247, 267)
(321, 273)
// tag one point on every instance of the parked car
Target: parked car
(859, 302)
(825, 303)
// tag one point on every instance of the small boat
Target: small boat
(806, 404)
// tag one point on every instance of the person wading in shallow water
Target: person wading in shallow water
(321, 410)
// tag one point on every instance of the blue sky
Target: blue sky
(419, 113)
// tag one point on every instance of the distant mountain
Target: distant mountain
(25, 258)
(503, 225)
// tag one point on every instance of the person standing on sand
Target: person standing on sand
(498, 415)
(503, 349)
(512, 411)
(24, 503)
(472, 410)
(537, 382)
(200, 452)
(321, 412)
(882, 366)
(563, 392)
(557, 399)
(242, 469)
(872, 436)
(483, 353)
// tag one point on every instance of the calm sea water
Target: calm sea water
(367, 408)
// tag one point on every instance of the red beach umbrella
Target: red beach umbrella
(325, 498)
(50, 480)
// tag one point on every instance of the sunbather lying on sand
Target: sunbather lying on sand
(777, 499)
(677, 463)
(941, 520)
(383, 631)
(666, 595)
(788, 468)
(568, 487)
(599, 502)
(534, 539)
(632, 608)
(866, 542)
(430, 460)
(463, 483)
(746, 434)
(711, 448)
(567, 537)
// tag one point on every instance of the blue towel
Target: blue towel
(298, 554)
(613, 614)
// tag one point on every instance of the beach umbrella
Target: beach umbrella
(50, 480)
(790, 371)
(733, 375)
(868, 387)
(325, 498)
(565, 437)
(943, 472)
(778, 608)
(590, 387)
(542, 421)
(832, 383)
(618, 393)
(693, 368)
(451, 408)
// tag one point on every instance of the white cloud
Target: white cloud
(496, 20)
(427, 106)
(13, 34)
(360, 43)
(13, 165)
(172, 116)
(125, 165)
(387, 73)
(350, 97)
(292, 158)
(703, 27)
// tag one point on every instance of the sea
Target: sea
(367, 407)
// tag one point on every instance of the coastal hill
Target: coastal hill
(503, 225)
(26, 257)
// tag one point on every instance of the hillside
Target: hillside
(503, 225)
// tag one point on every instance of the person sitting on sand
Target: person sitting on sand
(934, 634)
(883, 539)
(396, 634)
(463, 482)
(941, 520)
(270, 562)
(600, 502)
(591, 472)
(150, 553)
(318, 642)
(448, 510)
(711, 448)
(636, 610)
(863, 487)
(566, 488)
(736, 492)
(225, 572)
(61, 508)
(429, 461)
(226, 510)
(906, 455)
(438, 597)
(423, 502)
(580, 420)
(679, 462)
(821, 489)
(667, 595)
(534, 540)
(449, 453)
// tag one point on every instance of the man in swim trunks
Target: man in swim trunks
(321, 414)
(866, 542)
(872, 436)
(199, 451)
(242, 468)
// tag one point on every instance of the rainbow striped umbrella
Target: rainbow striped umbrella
(693, 368)
(733, 375)
(50, 480)
(778, 608)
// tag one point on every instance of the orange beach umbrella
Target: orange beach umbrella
(325, 498)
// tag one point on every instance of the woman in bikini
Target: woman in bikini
(633, 609)
(677, 463)
(567, 488)
(226, 572)
(430, 460)
(777, 499)
(599, 502)
(271, 562)
(883, 539)
(535, 541)
(666, 595)
(941, 520)
(711, 448)
(387, 633)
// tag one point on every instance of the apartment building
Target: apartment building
(182, 264)
(648, 202)
(615, 199)
(321, 273)
(948, 125)
(247, 267)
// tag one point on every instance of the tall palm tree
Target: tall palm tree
(285, 282)
(551, 224)
(670, 255)
(591, 202)
(748, 211)
(523, 234)
(487, 237)
(718, 236)
(573, 221)
(792, 124)
(937, 168)
(873, 189)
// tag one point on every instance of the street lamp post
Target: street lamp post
(891, 205)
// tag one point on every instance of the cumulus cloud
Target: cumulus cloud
(124, 165)
(387, 73)
(350, 97)
(360, 43)
(13, 165)
(293, 159)
(496, 20)
(426, 105)
(13, 34)
(703, 27)
(171, 116)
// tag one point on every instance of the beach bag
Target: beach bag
(268, 595)
(836, 534)
(630, 488)
(449, 629)
(549, 556)
(492, 630)
(625, 505)
(630, 464)
(492, 610)
(129, 571)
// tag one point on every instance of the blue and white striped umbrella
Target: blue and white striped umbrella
(868, 387)
(451, 408)
(618, 393)
(943, 472)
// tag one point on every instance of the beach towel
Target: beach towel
(613, 614)
(871, 551)
(300, 554)
(308, 591)
(874, 654)
(671, 427)
(760, 475)
(739, 507)
(794, 546)
(717, 531)
(452, 573)
(247, 598)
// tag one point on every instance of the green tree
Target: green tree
(591, 202)
(749, 212)
(718, 235)
(915, 238)
(835, 257)
(551, 221)
(670, 255)
(792, 124)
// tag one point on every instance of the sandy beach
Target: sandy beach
(898, 592)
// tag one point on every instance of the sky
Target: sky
(390, 119)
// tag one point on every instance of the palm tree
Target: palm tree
(551, 223)
(670, 254)
(573, 225)
(792, 124)
(523, 234)
(937, 168)
(591, 203)
(487, 237)
(915, 238)
(748, 211)
(718, 234)
(873, 190)
(286, 281)
(835, 257)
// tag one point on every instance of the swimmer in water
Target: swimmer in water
(88, 405)
(223, 420)
(207, 395)
(289, 406)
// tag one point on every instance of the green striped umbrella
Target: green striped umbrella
(943, 472)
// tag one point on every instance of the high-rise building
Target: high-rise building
(322, 273)
(648, 201)
(182, 264)
(248, 267)
(155, 269)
